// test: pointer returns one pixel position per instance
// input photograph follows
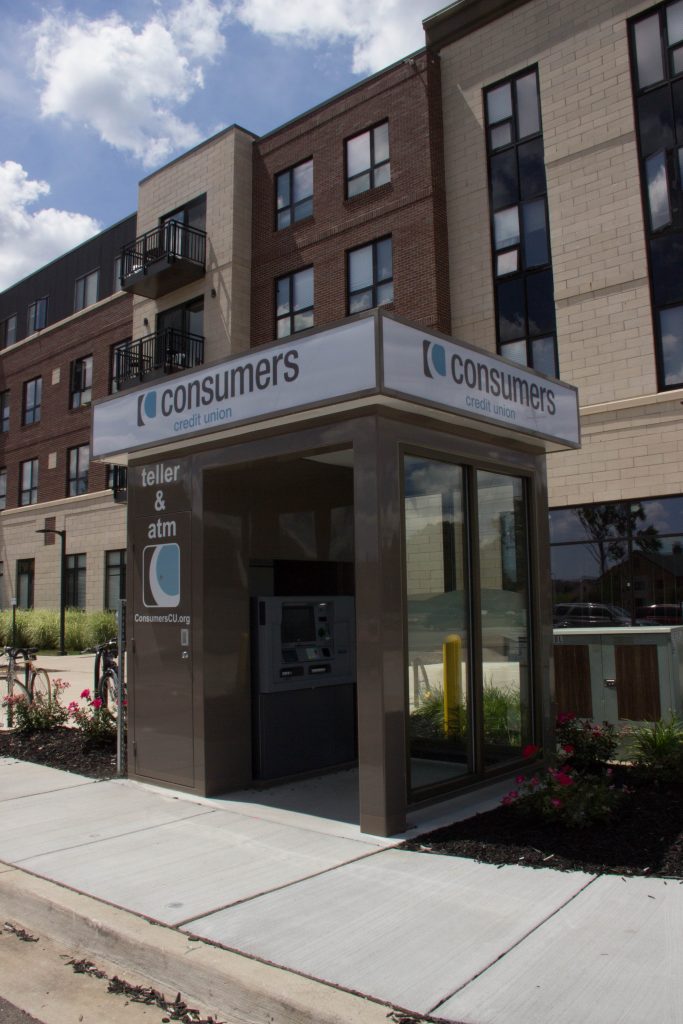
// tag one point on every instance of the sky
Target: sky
(95, 95)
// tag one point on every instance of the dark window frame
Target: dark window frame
(31, 405)
(295, 206)
(77, 474)
(36, 315)
(3, 487)
(5, 411)
(75, 580)
(374, 166)
(6, 341)
(376, 281)
(81, 381)
(112, 571)
(29, 492)
(527, 193)
(25, 569)
(81, 289)
(292, 313)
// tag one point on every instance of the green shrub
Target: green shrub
(657, 749)
(39, 627)
(96, 722)
(583, 744)
(40, 714)
(502, 715)
(562, 796)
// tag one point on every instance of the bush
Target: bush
(38, 627)
(560, 795)
(583, 744)
(657, 749)
(40, 714)
(95, 720)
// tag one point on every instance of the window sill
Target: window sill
(295, 224)
(384, 189)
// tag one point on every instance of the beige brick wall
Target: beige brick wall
(604, 321)
(221, 168)
(94, 524)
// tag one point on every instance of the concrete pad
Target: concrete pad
(408, 928)
(613, 954)
(183, 869)
(81, 815)
(23, 778)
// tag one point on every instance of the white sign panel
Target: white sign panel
(465, 380)
(266, 382)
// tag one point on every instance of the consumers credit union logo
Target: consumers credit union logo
(434, 359)
(147, 408)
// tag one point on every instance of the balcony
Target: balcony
(165, 351)
(163, 259)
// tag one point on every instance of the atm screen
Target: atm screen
(298, 623)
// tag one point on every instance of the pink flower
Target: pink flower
(97, 703)
(73, 706)
(555, 802)
(564, 780)
(534, 780)
(510, 798)
(85, 695)
(568, 748)
(520, 779)
(530, 750)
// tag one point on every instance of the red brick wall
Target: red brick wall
(410, 208)
(60, 428)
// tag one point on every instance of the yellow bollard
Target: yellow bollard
(452, 680)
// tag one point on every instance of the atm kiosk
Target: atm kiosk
(303, 657)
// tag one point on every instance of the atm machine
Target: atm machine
(304, 684)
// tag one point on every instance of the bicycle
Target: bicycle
(36, 680)
(106, 672)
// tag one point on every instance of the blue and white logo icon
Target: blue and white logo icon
(434, 359)
(161, 576)
(147, 407)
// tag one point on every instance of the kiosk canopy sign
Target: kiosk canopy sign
(373, 356)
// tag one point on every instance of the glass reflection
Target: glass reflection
(438, 634)
(671, 328)
(503, 561)
(648, 51)
(658, 190)
(528, 113)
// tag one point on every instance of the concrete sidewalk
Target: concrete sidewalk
(278, 916)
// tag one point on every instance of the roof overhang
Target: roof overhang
(370, 361)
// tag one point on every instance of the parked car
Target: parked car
(660, 615)
(589, 613)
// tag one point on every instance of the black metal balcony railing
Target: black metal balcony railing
(165, 351)
(165, 257)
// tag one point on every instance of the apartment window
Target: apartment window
(367, 160)
(25, 577)
(523, 279)
(3, 488)
(87, 290)
(81, 382)
(114, 578)
(8, 331)
(4, 412)
(125, 364)
(656, 40)
(294, 302)
(294, 194)
(33, 391)
(37, 315)
(79, 461)
(118, 267)
(370, 276)
(75, 581)
(117, 479)
(28, 482)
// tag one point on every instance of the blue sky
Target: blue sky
(95, 95)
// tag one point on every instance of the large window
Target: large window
(114, 578)
(626, 555)
(117, 481)
(28, 482)
(294, 194)
(79, 461)
(87, 290)
(4, 411)
(657, 62)
(37, 316)
(367, 160)
(523, 278)
(370, 276)
(33, 391)
(294, 302)
(8, 331)
(81, 382)
(25, 577)
(75, 581)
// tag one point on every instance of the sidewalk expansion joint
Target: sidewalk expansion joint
(518, 942)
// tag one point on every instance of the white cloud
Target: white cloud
(381, 32)
(127, 83)
(29, 240)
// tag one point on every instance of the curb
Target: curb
(243, 989)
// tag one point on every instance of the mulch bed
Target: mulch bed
(61, 748)
(644, 836)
